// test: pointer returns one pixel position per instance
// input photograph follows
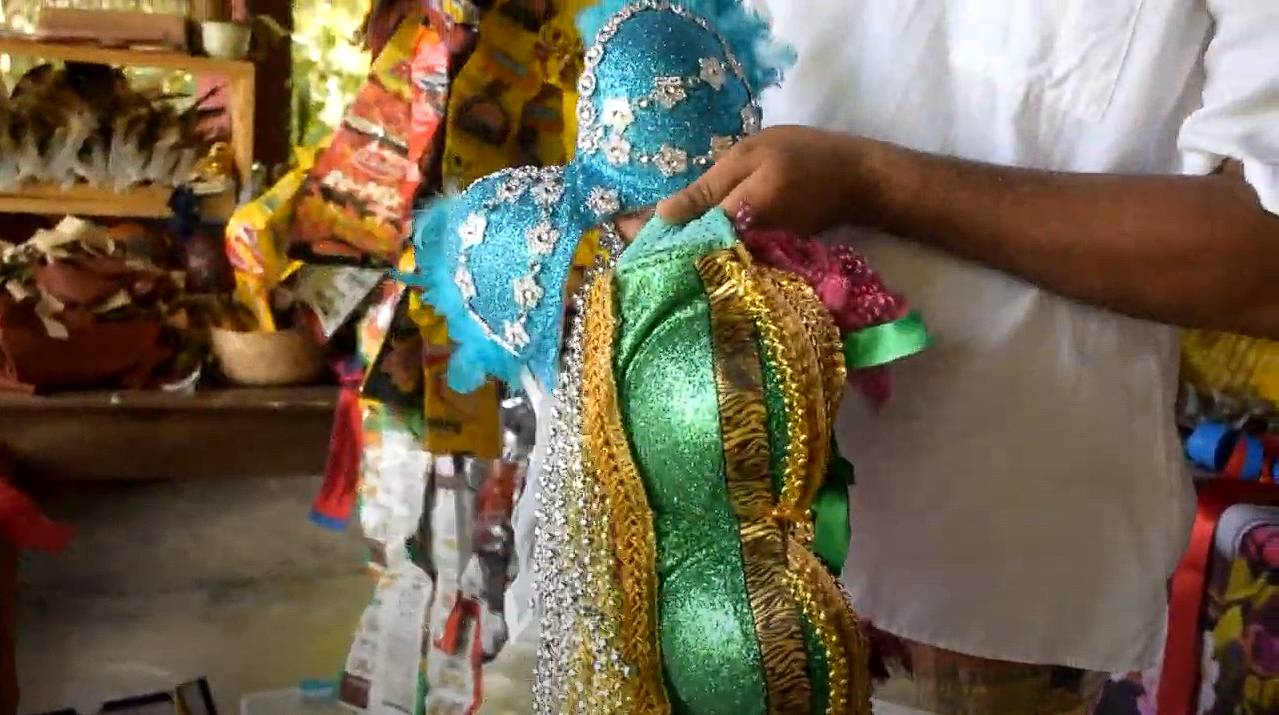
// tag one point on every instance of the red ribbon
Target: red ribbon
(25, 526)
(338, 493)
(21, 521)
(1179, 680)
(465, 616)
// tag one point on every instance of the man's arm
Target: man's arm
(1192, 251)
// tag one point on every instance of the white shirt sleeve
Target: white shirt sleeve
(1239, 118)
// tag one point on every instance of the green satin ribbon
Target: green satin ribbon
(885, 343)
(831, 531)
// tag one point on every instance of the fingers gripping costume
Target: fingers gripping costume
(688, 521)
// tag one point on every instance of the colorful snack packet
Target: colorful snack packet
(256, 237)
(382, 674)
(352, 207)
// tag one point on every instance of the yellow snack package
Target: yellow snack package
(257, 235)
(513, 101)
(454, 423)
(1231, 364)
(487, 101)
(564, 49)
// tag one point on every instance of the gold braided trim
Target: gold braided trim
(743, 417)
(833, 619)
(789, 308)
(829, 348)
(798, 357)
(608, 454)
(794, 375)
(597, 684)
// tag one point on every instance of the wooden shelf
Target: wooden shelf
(320, 398)
(142, 435)
(76, 52)
(83, 200)
(146, 202)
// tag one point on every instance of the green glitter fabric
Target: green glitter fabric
(665, 374)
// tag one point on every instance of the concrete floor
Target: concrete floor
(228, 580)
(170, 581)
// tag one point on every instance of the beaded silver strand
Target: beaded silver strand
(572, 526)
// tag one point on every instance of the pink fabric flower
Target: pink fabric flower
(850, 289)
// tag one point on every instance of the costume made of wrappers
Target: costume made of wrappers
(691, 510)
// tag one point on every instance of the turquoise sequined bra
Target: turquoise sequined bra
(665, 91)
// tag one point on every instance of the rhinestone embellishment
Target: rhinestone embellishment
(578, 668)
(545, 187)
(603, 202)
(602, 123)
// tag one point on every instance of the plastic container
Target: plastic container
(292, 701)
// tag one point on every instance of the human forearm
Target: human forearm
(1193, 251)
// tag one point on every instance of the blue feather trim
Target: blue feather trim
(763, 57)
(474, 354)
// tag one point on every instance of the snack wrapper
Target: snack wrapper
(473, 548)
(512, 101)
(455, 423)
(382, 674)
(439, 533)
(257, 235)
(334, 293)
(429, 75)
(394, 378)
(352, 207)
(376, 321)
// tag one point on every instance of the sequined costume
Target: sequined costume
(690, 447)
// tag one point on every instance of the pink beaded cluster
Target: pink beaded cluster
(851, 290)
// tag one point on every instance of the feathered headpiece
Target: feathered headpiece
(666, 89)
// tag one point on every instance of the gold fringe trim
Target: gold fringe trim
(608, 453)
(743, 417)
(795, 332)
(830, 354)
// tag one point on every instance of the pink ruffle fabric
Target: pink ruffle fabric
(851, 290)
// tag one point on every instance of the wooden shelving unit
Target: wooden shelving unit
(144, 202)
(141, 202)
(150, 435)
(154, 434)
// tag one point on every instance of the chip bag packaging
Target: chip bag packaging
(257, 236)
(352, 207)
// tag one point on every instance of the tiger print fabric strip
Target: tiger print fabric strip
(790, 324)
(743, 419)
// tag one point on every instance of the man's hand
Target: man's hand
(1194, 251)
(798, 178)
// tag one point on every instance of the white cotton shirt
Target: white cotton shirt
(1023, 495)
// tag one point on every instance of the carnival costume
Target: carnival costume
(689, 525)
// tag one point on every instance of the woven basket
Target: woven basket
(280, 357)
